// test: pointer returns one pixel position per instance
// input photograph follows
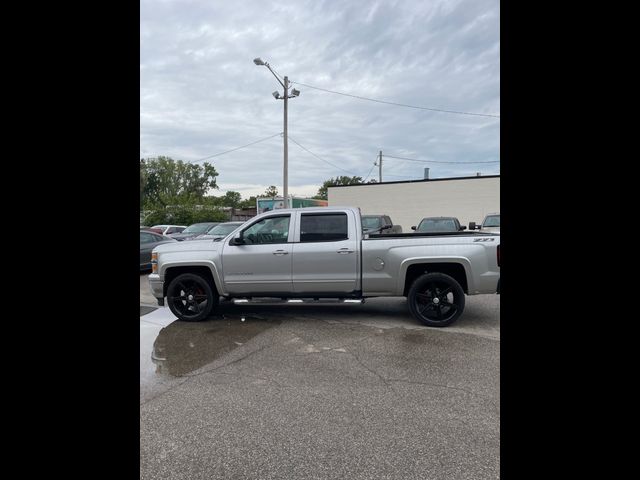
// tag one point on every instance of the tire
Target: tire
(191, 298)
(436, 299)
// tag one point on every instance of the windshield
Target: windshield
(492, 221)
(369, 223)
(437, 225)
(197, 228)
(223, 229)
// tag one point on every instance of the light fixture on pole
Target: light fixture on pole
(285, 97)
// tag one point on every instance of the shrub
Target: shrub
(185, 216)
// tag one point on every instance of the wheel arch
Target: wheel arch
(457, 268)
(205, 269)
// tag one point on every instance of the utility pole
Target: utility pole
(285, 173)
(285, 97)
(380, 167)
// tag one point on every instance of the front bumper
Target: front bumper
(156, 283)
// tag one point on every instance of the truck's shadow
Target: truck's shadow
(183, 347)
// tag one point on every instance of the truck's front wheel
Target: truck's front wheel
(191, 298)
(436, 299)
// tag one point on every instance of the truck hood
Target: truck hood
(207, 245)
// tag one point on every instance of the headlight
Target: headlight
(154, 262)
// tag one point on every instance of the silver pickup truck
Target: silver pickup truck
(310, 254)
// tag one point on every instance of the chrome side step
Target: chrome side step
(256, 301)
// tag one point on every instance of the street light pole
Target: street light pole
(285, 97)
(285, 172)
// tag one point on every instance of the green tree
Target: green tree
(186, 215)
(270, 192)
(212, 201)
(231, 199)
(164, 181)
(250, 203)
(143, 182)
(332, 182)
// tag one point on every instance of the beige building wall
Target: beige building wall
(407, 203)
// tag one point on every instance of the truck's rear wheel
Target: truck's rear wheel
(191, 298)
(436, 299)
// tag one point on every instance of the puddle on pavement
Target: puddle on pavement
(183, 347)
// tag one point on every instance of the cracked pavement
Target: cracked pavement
(330, 391)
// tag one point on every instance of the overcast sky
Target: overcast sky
(201, 94)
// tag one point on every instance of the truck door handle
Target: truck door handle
(280, 252)
(345, 250)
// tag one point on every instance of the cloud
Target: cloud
(201, 94)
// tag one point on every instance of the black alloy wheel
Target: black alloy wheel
(436, 299)
(191, 298)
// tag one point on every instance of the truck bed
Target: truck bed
(388, 260)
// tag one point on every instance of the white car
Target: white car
(490, 224)
(219, 231)
(168, 229)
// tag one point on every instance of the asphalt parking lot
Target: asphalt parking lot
(328, 391)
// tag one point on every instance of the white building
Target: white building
(467, 198)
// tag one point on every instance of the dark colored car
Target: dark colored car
(219, 231)
(439, 224)
(192, 231)
(148, 240)
(379, 224)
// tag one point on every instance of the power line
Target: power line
(436, 161)
(372, 166)
(237, 148)
(320, 158)
(398, 104)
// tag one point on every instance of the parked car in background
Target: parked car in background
(148, 241)
(169, 229)
(192, 231)
(219, 231)
(491, 224)
(439, 224)
(381, 224)
(152, 229)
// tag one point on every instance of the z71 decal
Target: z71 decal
(484, 239)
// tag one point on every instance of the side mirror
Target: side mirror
(386, 227)
(413, 228)
(463, 228)
(472, 225)
(237, 241)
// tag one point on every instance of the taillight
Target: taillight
(498, 255)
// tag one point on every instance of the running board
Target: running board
(254, 301)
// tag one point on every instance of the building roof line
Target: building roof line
(418, 181)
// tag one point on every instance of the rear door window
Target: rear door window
(323, 227)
